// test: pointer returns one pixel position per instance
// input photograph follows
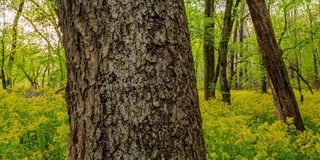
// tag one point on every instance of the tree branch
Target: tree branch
(306, 82)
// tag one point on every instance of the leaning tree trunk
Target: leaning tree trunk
(284, 99)
(131, 90)
(208, 50)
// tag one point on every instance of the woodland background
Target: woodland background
(32, 54)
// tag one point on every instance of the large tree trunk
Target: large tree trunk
(208, 50)
(131, 90)
(284, 99)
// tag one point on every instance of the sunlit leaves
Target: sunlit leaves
(37, 30)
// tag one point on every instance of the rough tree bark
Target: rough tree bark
(284, 99)
(208, 50)
(131, 89)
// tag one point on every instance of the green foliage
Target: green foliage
(248, 129)
(296, 25)
(39, 60)
(195, 15)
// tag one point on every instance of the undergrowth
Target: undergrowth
(248, 129)
(34, 125)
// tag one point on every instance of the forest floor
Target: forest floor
(34, 125)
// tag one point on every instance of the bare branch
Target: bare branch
(305, 81)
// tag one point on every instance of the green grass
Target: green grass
(37, 127)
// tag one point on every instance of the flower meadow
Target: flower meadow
(34, 125)
(248, 129)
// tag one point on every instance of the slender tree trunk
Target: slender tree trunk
(233, 56)
(317, 83)
(3, 76)
(312, 48)
(14, 44)
(51, 48)
(297, 66)
(296, 57)
(284, 99)
(197, 62)
(223, 52)
(315, 61)
(61, 66)
(315, 68)
(241, 38)
(264, 85)
(264, 79)
(131, 90)
(44, 76)
(215, 78)
(240, 71)
(208, 50)
(3, 49)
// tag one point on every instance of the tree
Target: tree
(223, 50)
(26, 54)
(284, 99)
(208, 50)
(236, 51)
(3, 79)
(312, 32)
(194, 11)
(239, 57)
(41, 17)
(9, 80)
(131, 89)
